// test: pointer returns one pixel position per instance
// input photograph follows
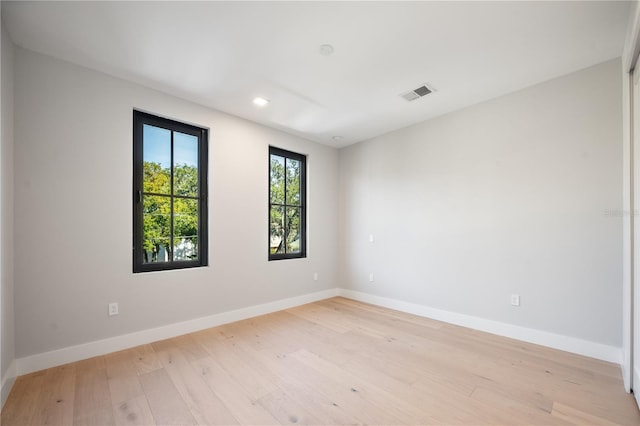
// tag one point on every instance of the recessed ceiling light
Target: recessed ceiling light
(326, 50)
(337, 138)
(260, 101)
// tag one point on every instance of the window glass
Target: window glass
(170, 207)
(287, 203)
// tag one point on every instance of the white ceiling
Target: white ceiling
(223, 54)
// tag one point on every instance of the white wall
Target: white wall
(517, 195)
(7, 340)
(508, 196)
(73, 177)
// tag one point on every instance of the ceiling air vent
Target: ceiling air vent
(417, 93)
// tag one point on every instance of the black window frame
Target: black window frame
(139, 120)
(303, 205)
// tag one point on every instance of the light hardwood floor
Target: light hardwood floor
(332, 362)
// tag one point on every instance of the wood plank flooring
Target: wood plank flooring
(331, 362)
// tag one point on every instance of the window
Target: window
(169, 194)
(287, 204)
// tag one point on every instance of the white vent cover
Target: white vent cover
(417, 93)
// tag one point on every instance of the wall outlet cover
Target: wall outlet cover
(113, 309)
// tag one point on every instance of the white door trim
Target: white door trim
(631, 267)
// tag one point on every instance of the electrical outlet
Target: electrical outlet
(371, 277)
(113, 309)
(371, 238)
(515, 299)
(315, 276)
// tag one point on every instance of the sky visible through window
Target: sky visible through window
(157, 147)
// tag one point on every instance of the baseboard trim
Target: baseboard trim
(636, 388)
(544, 338)
(62, 356)
(626, 375)
(8, 379)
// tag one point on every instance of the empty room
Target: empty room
(300, 212)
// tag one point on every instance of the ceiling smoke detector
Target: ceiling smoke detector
(326, 50)
(417, 93)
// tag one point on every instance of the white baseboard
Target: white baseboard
(626, 375)
(636, 386)
(8, 379)
(544, 338)
(54, 358)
